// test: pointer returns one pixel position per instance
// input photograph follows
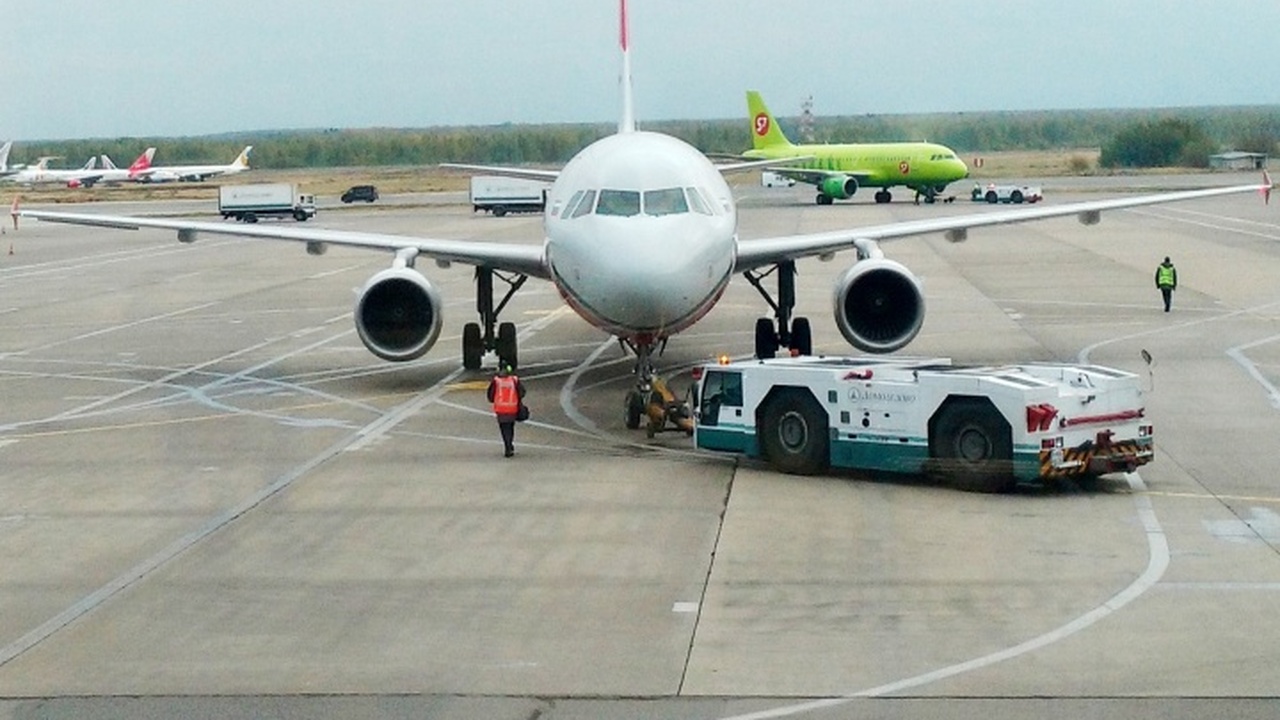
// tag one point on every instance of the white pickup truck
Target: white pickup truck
(1015, 194)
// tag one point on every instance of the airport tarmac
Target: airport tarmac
(214, 502)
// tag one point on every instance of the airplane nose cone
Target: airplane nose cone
(651, 281)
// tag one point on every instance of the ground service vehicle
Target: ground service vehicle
(502, 195)
(768, 178)
(360, 193)
(1016, 194)
(251, 202)
(981, 428)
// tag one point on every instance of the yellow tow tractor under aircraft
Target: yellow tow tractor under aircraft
(664, 411)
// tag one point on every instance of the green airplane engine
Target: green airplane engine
(840, 187)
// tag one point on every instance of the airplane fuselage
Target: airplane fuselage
(885, 165)
(640, 235)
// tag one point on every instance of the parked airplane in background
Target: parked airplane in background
(195, 173)
(641, 241)
(39, 174)
(839, 170)
(111, 174)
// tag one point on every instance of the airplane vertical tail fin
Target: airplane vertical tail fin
(93, 162)
(242, 160)
(764, 129)
(627, 123)
(4, 155)
(106, 162)
(143, 162)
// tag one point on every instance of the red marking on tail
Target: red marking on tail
(142, 163)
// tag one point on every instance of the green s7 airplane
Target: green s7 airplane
(839, 170)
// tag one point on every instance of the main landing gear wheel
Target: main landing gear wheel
(824, 199)
(972, 445)
(472, 346)
(883, 196)
(766, 339)
(489, 334)
(801, 336)
(506, 347)
(794, 433)
(783, 330)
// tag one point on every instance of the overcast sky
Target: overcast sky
(112, 68)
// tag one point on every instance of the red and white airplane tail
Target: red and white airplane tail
(142, 163)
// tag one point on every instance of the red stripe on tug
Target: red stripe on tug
(1111, 417)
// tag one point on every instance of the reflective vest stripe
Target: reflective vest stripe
(506, 400)
(1164, 276)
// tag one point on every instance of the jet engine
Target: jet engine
(840, 187)
(879, 305)
(398, 314)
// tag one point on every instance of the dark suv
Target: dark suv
(367, 193)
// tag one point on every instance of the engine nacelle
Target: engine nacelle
(879, 305)
(840, 187)
(398, 314)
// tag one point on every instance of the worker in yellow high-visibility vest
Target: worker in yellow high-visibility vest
(1167, 281)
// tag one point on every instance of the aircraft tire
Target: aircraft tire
(766, 339)
(801, 336)
(472, 346)
(634, 408)
(507, 345)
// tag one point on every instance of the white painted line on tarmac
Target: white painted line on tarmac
(1157, 564)
(1237, 353)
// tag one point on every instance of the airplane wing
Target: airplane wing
(759, 252)
(525, 173)
(523, 259)
(814, 177)
(737, 167)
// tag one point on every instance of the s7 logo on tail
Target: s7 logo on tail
(762, 124)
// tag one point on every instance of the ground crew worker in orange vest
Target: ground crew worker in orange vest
(506, 392)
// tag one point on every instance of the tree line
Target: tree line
(1132, 138)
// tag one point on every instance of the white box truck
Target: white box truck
(250, 202)
(501, 195)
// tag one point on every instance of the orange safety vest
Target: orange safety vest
(506, 400)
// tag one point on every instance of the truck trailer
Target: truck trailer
(501, 195)
(979, 428)
(248, 203)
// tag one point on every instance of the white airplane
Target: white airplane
(109, 173)
(195, 173)
(641, 241)
(39, 173)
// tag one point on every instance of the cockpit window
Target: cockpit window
(569, 206)
(584, 205)
(669, 201)
(697, 202)
(619, 202)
